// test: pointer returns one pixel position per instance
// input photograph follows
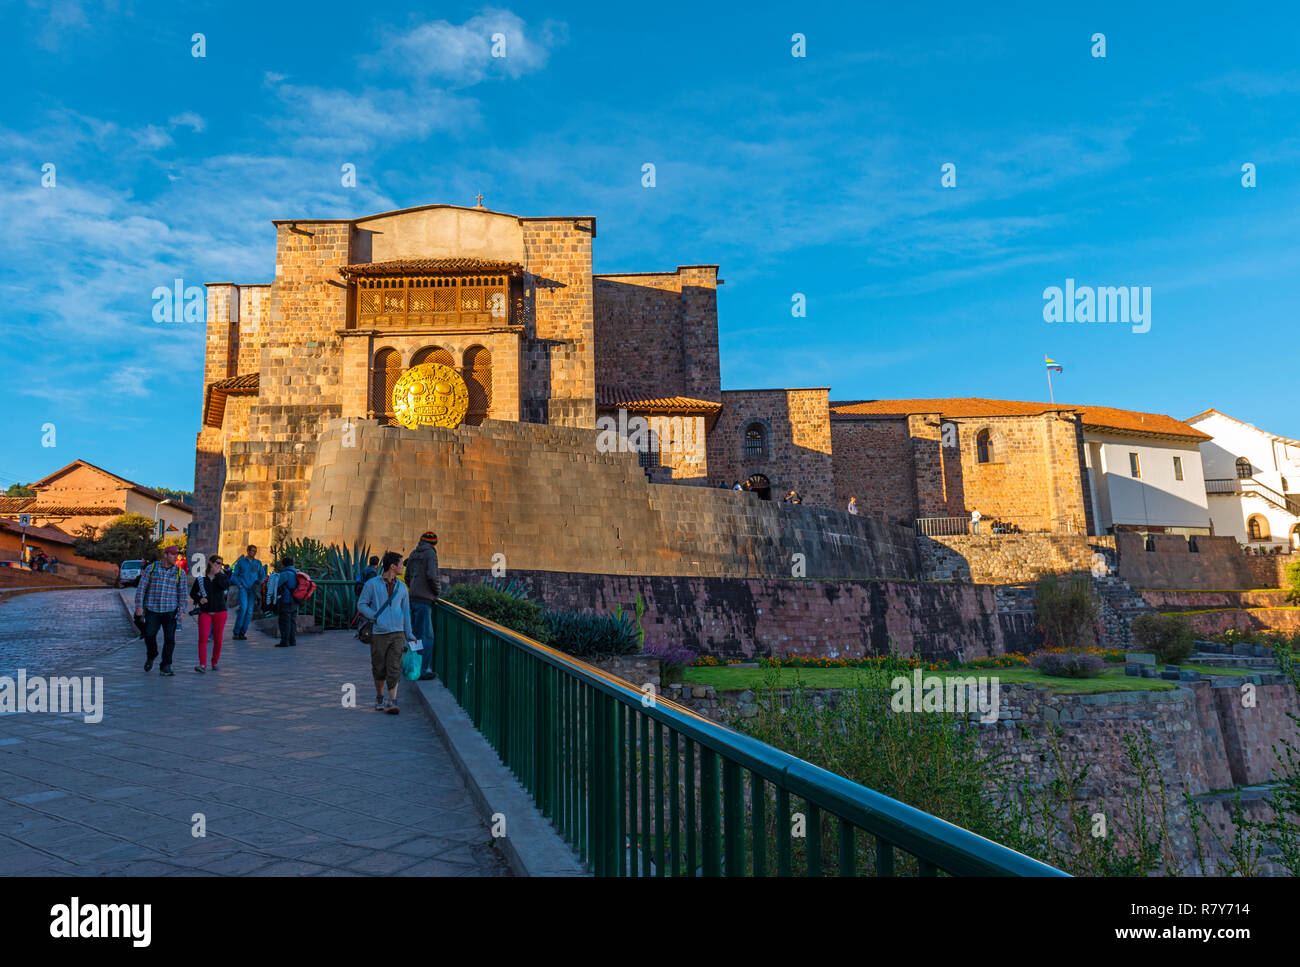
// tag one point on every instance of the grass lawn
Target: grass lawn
(1112, 679)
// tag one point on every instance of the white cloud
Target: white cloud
(187, 119)
(463, 54)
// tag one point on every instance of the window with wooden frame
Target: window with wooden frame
(434, 302)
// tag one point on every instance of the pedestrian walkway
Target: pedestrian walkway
(287, 780)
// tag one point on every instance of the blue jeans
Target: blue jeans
(422, 625)
(246, 600)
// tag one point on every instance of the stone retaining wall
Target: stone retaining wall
(542, 497)
(737, 617)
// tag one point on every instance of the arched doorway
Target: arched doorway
(478, 380)
(759, 484)
(384, 374)
(1295, 538)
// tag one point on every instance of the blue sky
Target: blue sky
(817, 175)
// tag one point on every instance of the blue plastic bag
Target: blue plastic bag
(411, 662)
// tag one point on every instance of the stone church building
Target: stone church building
(295, 367)
(511, 303)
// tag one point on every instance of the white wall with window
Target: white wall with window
(1252, 478)
(1143, 482)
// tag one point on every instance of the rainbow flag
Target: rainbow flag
(1052, 364)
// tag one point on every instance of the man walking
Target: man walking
(286, 606)
(160, 598)
(385, 602)
(247, 575)
(423, 582)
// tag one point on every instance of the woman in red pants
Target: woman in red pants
(209, 593)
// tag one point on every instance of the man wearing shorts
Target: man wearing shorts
(385, 602)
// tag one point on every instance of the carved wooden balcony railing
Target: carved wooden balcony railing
(436, 302)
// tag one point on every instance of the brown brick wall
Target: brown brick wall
(798, 431)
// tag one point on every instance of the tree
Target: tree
(20, 490)
(184, 496)
(126, 538)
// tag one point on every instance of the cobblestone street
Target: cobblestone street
(287, 779)
(53, 629)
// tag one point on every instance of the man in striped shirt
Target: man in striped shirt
(160, 598)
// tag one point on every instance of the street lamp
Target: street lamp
(155, 516)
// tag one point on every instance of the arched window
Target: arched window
(1295, 538)
(478, 379)
(984, 446)
(1243, 469)
(1257, 528)
(649, 457)
(755, 442)
(384, 373)
(432, 354)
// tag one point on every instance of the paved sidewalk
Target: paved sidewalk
(289, 781)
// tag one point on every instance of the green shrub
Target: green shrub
(1067, 611)
(592, 636)
(1293, 582)
(525, 617)
(1168, 636)
(1067, 664)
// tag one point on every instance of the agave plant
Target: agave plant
(346, 564)
(512, 587)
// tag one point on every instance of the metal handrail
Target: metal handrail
(569, 733)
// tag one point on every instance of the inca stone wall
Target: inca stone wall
(758, 617)
(1008, 558)
(1216, 564)
(546, 500)
(1203, 739)
(798, 454)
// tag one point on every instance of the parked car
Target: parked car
(128, 574)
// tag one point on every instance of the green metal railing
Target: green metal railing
(333, 605)
(641, 786)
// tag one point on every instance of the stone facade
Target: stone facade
(796, 437)
(763, 617)
(906, 466)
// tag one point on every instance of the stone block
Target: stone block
(1140, 658)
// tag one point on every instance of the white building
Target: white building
(1144, 472)
(1252, 478)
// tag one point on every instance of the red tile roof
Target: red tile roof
(72, 510)
(616, 397)
(1099, 417)
(49, 533)
(14, 504)
(214, 400)
(430, 267)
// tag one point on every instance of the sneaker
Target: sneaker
(391, 707)
(167, 672)
(282, 645)
(148, 664)
(428, 677)
(200, 669)
(214, 666)
(379, 703)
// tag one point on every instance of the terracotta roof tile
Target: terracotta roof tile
(616, 397)
(1100, 417)
(14, 504)
(72, 510)
(214, 401)
(430, 267)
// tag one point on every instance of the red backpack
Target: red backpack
(303, 588)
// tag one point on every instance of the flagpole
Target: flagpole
(1050, 395)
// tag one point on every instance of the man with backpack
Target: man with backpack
(161, 599)
(423, 581)
(371, 570)
(285, 582)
